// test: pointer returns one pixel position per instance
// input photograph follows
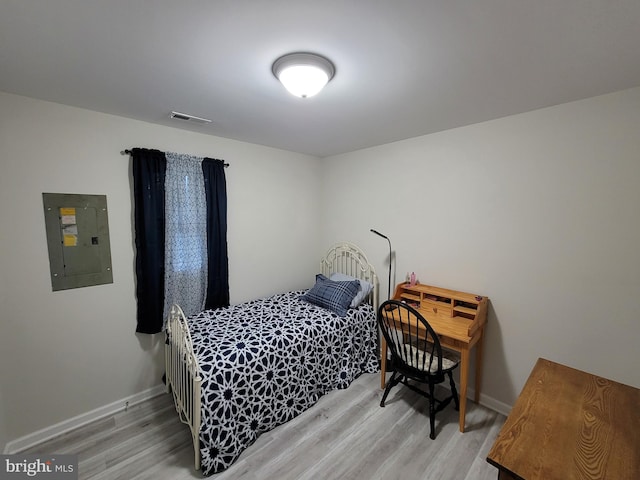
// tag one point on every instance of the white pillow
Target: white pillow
(365, 287)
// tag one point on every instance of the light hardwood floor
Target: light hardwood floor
(345, 436)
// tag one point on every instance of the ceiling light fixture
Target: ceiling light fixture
(303, 74)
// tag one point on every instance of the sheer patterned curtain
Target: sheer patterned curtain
(185, 261)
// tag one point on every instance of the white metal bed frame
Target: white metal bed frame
(183, 374)
(182, 371)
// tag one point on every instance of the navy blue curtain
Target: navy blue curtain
(149, 172)
(149, 169)
(218, 262)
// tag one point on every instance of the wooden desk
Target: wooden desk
(568, 424)
(458, 318)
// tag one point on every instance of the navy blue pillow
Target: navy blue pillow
(335, 296)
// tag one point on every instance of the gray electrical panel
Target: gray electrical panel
(78, 240)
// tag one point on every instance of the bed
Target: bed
(239, 371)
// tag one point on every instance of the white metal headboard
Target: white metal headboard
(347, 258)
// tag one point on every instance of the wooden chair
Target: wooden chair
(416, 356)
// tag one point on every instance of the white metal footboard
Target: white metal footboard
(183, 375)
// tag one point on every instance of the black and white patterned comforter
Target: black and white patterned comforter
(268, 360)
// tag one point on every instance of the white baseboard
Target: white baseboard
(486, 401)
(47, 433)
(495, 405)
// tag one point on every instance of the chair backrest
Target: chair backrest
(415, 347)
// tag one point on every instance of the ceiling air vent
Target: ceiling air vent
(189, 118)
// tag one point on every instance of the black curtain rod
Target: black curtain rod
(128, 152)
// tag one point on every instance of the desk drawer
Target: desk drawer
(452, 344)
(436, 308)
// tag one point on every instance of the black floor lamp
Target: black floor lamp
(389, 286)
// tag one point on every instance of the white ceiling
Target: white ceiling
(403, 68)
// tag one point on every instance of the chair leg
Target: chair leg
(432, 411)
(454, 392)
(393, 381)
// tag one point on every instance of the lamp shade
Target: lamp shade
(303, 74)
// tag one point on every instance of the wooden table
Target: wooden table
(568, 424)
(458, 328)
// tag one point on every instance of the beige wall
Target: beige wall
(69, 352)
(539, 211)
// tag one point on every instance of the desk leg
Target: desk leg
(479, 353)
(383, 362)
(464, 379)
(504, 475)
